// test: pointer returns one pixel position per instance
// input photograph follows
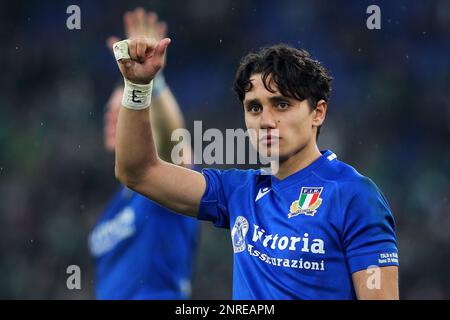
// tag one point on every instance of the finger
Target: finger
(110, 42)
(159, 53)
(150, 46)
(160, 49)
(128, 24)
(162, 29)
(134, 24)
(152, 18)
(132, 49)
(141, 48)
(140, 21)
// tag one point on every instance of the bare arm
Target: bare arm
(377, 284)
(137, 163)
(165, 117)
(165, 114)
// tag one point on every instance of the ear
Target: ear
(319, 113)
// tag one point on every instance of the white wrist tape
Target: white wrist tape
(135, 96)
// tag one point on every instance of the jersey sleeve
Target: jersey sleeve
(213, 205)
(369, 229)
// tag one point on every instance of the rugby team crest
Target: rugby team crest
(238, 233)
(307, 203)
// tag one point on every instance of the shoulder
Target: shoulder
(230, 181)
(232, 176)
(352, 188)
(361, 197)
(347, 178)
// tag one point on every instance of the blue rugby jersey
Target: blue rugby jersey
(301, 237)
(142, 250)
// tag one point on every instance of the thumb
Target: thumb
(110, 42)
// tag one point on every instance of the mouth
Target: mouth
(269, 140)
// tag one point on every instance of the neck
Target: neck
(298, 161)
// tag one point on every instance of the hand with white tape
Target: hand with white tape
(139, 60)
(139, 24)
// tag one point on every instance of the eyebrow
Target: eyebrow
(273, 99)
(251, 101)
(278, 99)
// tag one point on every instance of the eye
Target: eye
(283, 105)
(254, 108)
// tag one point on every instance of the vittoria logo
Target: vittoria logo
(238, 233)
(307, 203)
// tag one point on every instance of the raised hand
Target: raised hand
(138, 23)
(145, 58)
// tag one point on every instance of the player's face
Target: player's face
(267, 110)
(110, 120)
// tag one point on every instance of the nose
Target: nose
(267, 120)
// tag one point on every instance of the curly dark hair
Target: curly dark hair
(294, 72)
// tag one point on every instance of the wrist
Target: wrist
(137, 96)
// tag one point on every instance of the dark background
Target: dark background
(389, 117)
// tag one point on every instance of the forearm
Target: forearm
(166, 117)
(135, 147)
(137, 163)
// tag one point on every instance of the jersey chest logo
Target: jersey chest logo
(307, 203)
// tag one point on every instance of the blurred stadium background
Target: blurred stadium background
(389, 116)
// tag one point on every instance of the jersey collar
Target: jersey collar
(326, 156)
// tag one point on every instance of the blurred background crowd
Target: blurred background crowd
(389, 117)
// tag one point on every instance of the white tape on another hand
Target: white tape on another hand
(121, 50)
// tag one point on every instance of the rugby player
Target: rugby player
(316, 229)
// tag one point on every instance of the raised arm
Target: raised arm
(166, 117)
(165, 114)
(137, 163)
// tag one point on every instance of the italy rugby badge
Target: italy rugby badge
(307, 203)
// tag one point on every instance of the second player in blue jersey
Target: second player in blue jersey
(142, 250)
